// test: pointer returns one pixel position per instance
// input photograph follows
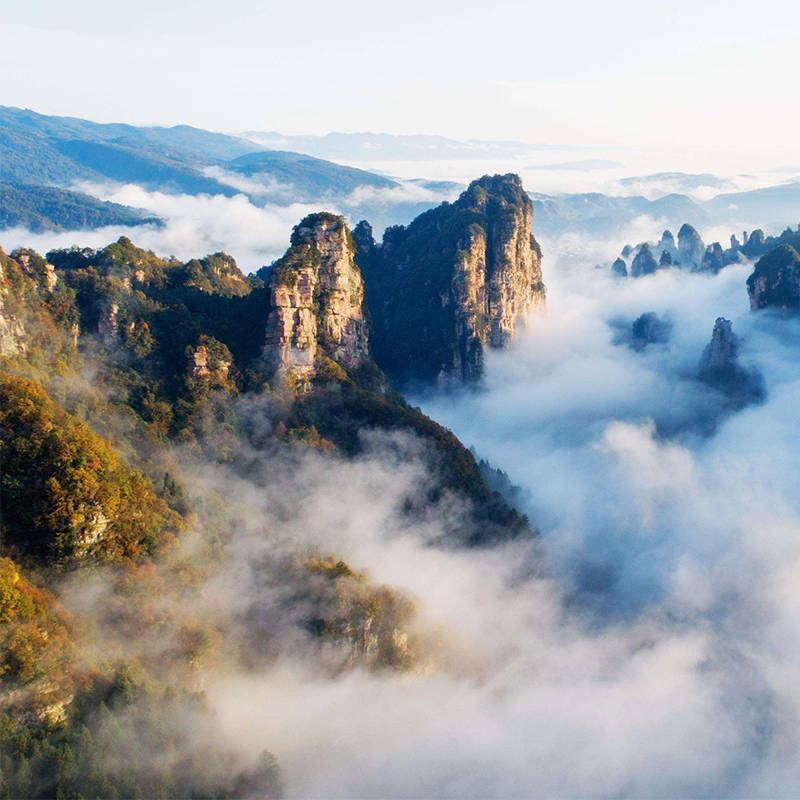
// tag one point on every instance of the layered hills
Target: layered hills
(43, 151)
(124, 372)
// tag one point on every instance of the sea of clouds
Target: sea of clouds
(644, 646)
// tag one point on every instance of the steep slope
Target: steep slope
(317, 296)
(65, 493)
(775, 282)
(720, 368)
(458, 279)
(59, 151)
(46, 208)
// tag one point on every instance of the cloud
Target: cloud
(195, 225)
(646, 646)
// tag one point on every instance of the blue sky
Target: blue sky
(688, 75)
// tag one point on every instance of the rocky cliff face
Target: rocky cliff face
(720, 368)
(644, 263)
(458, 279)
(690, 248)
(12, 331)
(775, 282)
(317, 296)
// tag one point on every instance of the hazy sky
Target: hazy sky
(688, 75)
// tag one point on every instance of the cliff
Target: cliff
(720, 368)
(775, 281)
(690, 248)
(317, 297)
(693, 255)
(458, 279)
(644, 263)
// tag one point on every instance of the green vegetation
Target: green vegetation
(46, 208)
(775, 281)
(65, 492)
(128, 369)
(409, 279)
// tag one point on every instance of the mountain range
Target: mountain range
(68, 153)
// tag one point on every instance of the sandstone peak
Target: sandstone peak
(317, 295)
(456, 280)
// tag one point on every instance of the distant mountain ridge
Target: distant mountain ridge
(604, 215)
(384, 146)
(47, 208)
(39, 150)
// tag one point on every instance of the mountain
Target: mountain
(317, 298)
(775, 205)
(720, 368)
(61, 151)
(46, 208)
(775, 282)
(309, 177)
(145, 402)
(604, 216)
(458, 279)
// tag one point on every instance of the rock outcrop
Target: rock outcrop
(691, 254)
(667, 245)
(12, 328)
(210, 360)
(775, 282)
(619, 268)
(720, 368)
(649, 329)
(317, 298)
(457, 280)
(690, 248)
(644, 262)
(12, 331)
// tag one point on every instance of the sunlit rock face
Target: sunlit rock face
(457, 280)
(12, 331)
(317, 297)
(775, 282)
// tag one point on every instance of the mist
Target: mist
(641, 646)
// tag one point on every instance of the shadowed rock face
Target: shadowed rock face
(667, 245)
(720, 368)
(648, 329)
(690, 248)
(317, 296)
(775, 282)
(457, 280)
(619, 268)
(644, 263)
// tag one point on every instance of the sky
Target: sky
(704, 76)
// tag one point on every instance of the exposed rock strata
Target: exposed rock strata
(317, 296)
(457, 280)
